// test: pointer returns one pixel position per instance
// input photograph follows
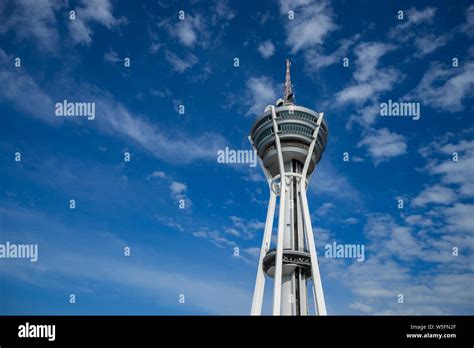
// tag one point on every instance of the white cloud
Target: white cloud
(317, 60)
(356, 159)
(402, 243)
(161, 93)
(325, 208)
(369, 80)
(413, 17)
(85, 260)
(453, 172)
(24, 94)
(194, 30)
(260, 92)
(435, 195)
(361, 307)
(460, 217)
(323, 236)
(369, 83)
(170, 222)
(365, 116)
(328, 181)
(112, 117)
(360, 92)
(246, 229)
(178, 193)
(378, 226)
(232, 232)
(177, 188)
(430, 43)
(90, 12)
(178, 64)
(446, 88)
(266, 49)
(425, 40)
(215, 237)
(468, 27)
(416, 259)
(383, 145)
(368, 57)
(31, 20)
(389, 271)
(223, 12)
(253, 251)
(350, 221)
(111, 56)
(186, 30)
(418, 220)
(313, 21)
(157, 174)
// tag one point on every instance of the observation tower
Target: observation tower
(289, 140)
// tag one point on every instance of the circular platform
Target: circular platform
(291, 260)
(296, 125)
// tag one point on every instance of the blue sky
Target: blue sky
(190, 62)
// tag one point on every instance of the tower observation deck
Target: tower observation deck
(289, 140)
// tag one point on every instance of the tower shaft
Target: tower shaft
(294, 279)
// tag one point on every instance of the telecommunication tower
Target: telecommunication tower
(289, 141)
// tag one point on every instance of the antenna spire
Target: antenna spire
(288, 97)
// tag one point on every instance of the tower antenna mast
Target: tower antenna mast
(288, 96)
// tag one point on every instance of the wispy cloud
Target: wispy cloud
(385, 275)
(312, 22)
(266, 49)
(179, 64)
(369, 79)
(85, 262)
(111, 56)
(188, 31)
(89, 13)
(446, 87)
(435, 194)
(430, 43)
(328, 180)
(382, 144)
(317, 60)
(178, 193)
(412, 18)
(20, 87)
(113, 118)
(260, 92)
(40, 28)
(440, 154)
(468, 26)
(245, 228)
